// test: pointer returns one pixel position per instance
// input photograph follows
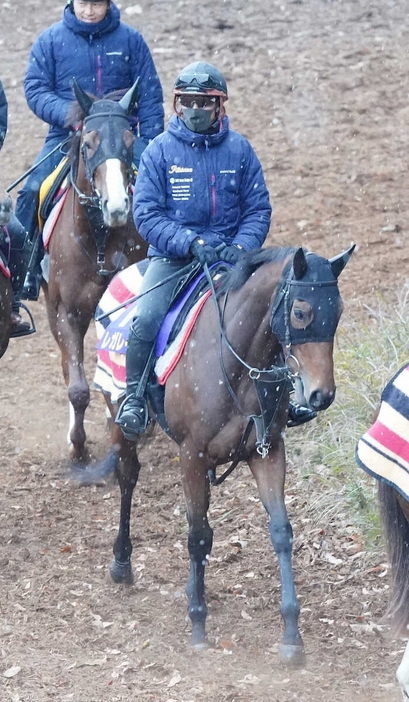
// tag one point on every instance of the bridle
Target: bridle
(272, 383)
(92, 202)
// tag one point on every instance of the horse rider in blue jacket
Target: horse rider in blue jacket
(16, 233)
(92, 44)
(200, 195)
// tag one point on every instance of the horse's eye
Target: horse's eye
(301, 314)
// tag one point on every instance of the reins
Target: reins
(280, 376)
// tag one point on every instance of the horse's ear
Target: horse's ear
(84, 100)
(129, 100)
(339, 262)
(299, 264)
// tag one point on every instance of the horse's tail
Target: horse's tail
(396, 528)
(98, 472)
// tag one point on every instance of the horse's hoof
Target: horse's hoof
(292, 655)
(121, 572)
(203, 646)
(198, 638)
(78, 458)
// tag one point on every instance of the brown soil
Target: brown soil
(321, 90)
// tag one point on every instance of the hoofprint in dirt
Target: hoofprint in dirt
(321, 90)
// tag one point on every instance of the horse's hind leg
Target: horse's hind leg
(128, 473)
(269, 473)
(196, 491)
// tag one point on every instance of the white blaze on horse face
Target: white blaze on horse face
(114, 197)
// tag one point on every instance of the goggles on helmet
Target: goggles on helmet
(201, 101)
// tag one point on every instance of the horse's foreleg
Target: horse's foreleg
(128, 474)
(69, 332)
(200, 539)
(269, 473)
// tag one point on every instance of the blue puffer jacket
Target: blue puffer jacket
(105, 56)
(3, 114)
(192, 185)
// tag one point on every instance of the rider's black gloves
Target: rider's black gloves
(231, 254)
(203, 252)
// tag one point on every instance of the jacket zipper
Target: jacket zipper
(213, 193)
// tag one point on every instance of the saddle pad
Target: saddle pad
(113, 329)
(4, 268)
(49, 189)
(4, 251)
(52, 219)
(383, 451)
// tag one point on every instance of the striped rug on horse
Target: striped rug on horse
(383, 451)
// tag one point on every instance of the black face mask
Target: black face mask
(318, 288)
(199, 120)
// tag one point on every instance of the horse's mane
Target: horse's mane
(248, 263)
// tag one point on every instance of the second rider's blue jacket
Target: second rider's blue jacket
(191, 185)
(104, 57)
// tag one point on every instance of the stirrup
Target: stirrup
(298, 414)
(132, 417)
(31, 328)
(31, 287)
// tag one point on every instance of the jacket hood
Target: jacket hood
(86, 30)
(178, 128)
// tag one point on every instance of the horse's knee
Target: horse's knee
(79, 396)
(281, 536)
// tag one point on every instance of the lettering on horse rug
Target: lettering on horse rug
(271, 321)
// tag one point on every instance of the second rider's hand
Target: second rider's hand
(231, 253)
(204, 253)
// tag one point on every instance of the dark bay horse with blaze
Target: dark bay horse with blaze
(273, 318)
(94, 237)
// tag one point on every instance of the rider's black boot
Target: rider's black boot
(18, 260)
(32, 281)
(298, 414)
(132, 416)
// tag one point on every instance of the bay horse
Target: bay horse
(5, 312)
(6, 294)
(271, 321)
(93, 238)
(383, 452)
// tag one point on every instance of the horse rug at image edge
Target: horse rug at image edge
(383, 451)
(113, 330)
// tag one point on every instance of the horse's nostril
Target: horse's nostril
(320, 400)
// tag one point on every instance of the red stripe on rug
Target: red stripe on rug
(391, 441)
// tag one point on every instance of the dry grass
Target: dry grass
(368, 352)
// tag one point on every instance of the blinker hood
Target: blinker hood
(319, 288)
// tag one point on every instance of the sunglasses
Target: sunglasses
(201, 101)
